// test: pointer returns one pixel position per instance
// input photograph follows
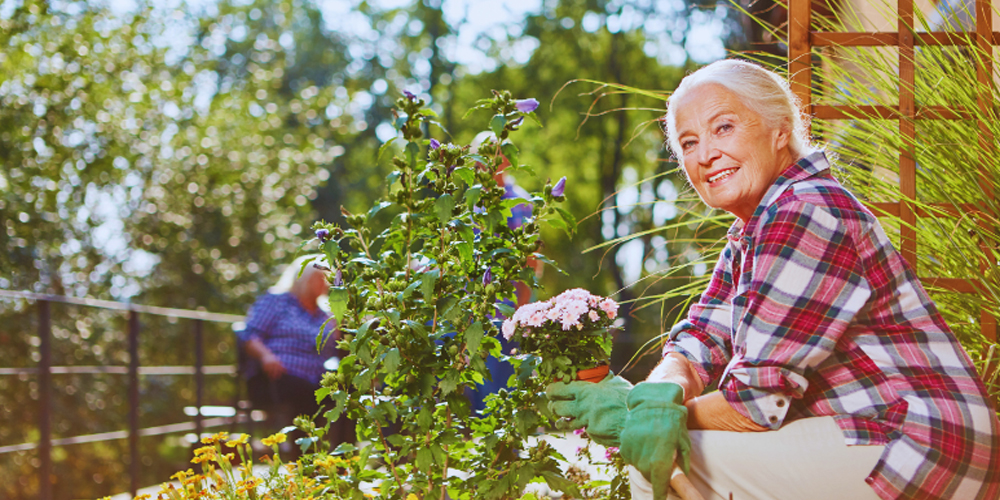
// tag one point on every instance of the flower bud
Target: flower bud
(526, 105)
(323, 234)
(559, 188)
(435, 144)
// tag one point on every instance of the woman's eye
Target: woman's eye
(725, 127)
(686, 145)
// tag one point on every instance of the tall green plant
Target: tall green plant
(421, 280)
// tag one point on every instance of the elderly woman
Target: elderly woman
(837, 377)
(281, 334)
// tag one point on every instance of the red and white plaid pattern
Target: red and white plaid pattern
(811, 311)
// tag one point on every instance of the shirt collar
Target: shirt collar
(811, 165)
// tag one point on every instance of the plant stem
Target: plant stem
(444, 474)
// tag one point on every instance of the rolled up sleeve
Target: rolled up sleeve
(705, 337)
(806, 289)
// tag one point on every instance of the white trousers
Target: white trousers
(805, 459)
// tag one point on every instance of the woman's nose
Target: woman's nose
(707, 152)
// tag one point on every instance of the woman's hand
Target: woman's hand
(272, 366)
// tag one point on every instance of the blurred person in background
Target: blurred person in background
(280, 335)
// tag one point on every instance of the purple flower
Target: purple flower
(323, 234)
(578, 432)
(560, 187)
(610, 452)
(435, 144)
(488, 276)
(526, 105)
(338, 278)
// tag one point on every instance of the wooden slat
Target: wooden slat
(952, 284)
(845, 112)
(908, 132)
(984, 75)
(889, 38)
(800, 52)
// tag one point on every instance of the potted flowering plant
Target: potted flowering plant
(566, 337)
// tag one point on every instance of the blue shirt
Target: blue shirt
(289, 331)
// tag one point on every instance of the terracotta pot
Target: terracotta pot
(595, 374)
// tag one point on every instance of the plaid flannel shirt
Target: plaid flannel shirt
(812, 312)
(289, 331)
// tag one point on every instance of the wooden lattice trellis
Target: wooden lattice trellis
(801, 41)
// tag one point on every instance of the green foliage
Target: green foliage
(424, 272)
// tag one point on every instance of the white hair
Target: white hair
(291, 278)
(760, 90)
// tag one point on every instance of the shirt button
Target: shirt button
(773, 419)
(781, 403)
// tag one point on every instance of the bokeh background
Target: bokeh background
(175, 153)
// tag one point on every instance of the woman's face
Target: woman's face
(730, 155)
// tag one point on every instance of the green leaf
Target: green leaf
(505, 309)
(497, 124)
(322, 393)
(363, 380)
(568, 219)
(473, 337)
(548, 261)
(322, 337)
(425, 458)
(446, 306)
(409, 289)
(412, 150)
(443, 206)
(377, 208)
(425, 418)
(399, 122)
(510, 151)
(331, 249)
(472, 195)
(364, 329)
(385, 147)
(559, 483)
(526, 422)
(391, 361)
(466, 174)
(428, 280)
(465, 250)
(449, 382)
(393, 177)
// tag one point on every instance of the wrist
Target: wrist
(655, 394)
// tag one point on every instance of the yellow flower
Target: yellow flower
(215, 438)
(204, 454)
(182, 474)
(411, 496)
(247, 485)
(274, 439)
(241, 439)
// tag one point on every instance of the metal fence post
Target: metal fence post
(199, 375)
(45, 401)
(133, 401)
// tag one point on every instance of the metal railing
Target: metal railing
(45, 370)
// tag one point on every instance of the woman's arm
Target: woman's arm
(268, 361)
(708, 412)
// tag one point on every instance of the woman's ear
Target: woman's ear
(782, 135)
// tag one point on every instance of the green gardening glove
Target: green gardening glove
(655, 431)
(599, 407)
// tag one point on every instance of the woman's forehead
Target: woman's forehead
(706, 102)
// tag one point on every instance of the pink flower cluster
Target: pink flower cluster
(567, 309)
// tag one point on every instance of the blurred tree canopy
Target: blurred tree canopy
(175, 154)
